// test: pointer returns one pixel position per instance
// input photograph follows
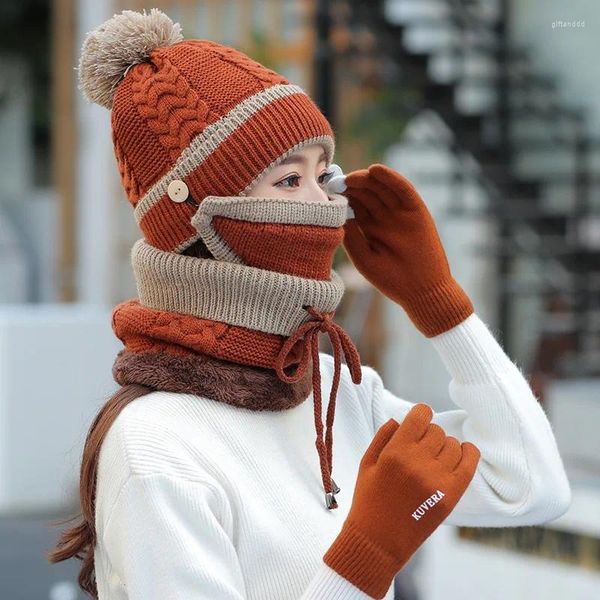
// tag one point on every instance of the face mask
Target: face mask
(292, 236)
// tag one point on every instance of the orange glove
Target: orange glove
(394, 243)
(409, 480)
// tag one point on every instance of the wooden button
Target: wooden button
(178, 190)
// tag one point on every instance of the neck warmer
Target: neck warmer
(243, 328)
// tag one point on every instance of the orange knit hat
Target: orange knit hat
(195, 114)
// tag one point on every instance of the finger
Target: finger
(357, 179)
(470, 457)
(414, 425)
(398, 184)
(451, 453)
(392, 198)
(393, 192)
(380, 440)
(378, 196)
(434, 438)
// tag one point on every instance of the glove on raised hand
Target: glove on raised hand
(394, 243)
(409, 480)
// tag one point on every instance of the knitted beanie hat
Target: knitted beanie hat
(190, 118)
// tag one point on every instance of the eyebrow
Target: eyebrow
(298, 158)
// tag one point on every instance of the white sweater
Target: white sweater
(198, 499)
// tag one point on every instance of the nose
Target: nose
(318, 191)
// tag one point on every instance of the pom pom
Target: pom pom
(120, 42)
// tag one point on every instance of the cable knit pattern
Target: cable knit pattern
(170, 107)
(155, 326)
(143, 329)
(260, 72)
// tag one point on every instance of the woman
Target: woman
(197, 478)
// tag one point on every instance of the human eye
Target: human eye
(326, 176)
(288, 180)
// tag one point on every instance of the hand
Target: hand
(409, 480)
(394, 243)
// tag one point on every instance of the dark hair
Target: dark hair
(80, 540)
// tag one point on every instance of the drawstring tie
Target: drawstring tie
(309, 332)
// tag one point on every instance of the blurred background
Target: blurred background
(490, 107)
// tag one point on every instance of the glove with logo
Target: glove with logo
(394, 243)
(409, 480)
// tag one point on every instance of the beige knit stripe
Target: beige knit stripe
(211, 137)
(232, 293)
(324, 213)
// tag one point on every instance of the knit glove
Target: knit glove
(394, 243)
(409, 480)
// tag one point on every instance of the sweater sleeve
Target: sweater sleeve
(165, 539)
(520, 478)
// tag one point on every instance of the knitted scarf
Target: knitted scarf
(242, 328)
